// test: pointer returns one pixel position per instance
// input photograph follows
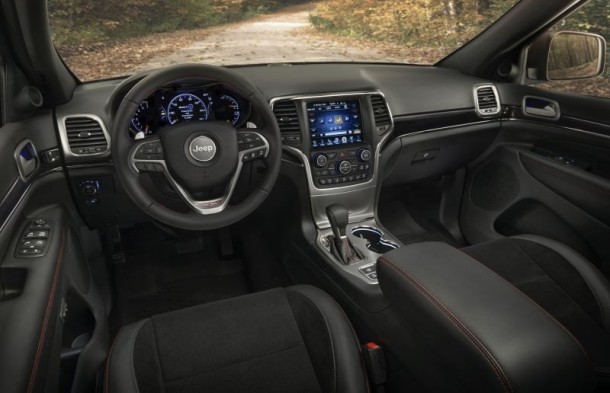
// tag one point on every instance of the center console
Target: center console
(338, 138)
(429, 302)
(339, 151)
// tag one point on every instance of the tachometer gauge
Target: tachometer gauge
(186, 106)
(228, 109)
(142, 121)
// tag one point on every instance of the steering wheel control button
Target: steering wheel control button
(249, 140)
(320, 160)
(253, 155)
(149, 151)
(203, 149)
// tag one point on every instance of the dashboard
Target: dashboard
(188, 102)
(333, 120)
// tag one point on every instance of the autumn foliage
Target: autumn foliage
(445, 23)
(77, 23)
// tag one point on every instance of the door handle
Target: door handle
(540, 107)
(26, 159)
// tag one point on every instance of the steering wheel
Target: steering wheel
(197, 158)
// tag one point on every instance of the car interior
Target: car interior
(456, 239)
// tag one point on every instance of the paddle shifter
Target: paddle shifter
(341, 247)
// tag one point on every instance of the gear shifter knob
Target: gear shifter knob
(339, 218)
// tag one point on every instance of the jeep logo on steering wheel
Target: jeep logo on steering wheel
(202, 149)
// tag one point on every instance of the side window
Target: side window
(593, 17)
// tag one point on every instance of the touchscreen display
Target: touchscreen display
(334, 123)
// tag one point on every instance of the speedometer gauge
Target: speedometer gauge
(186, 106)
(229, 109)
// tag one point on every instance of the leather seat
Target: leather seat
(283, 340)
(562, 282)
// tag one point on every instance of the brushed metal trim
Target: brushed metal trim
(475, 90)
(372, 182)
(63, 136)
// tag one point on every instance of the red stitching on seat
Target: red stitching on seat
(47, 316)
(487, 355)
(552, 318)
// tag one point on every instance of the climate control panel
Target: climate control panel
(336, 168)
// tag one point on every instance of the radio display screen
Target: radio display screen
(334, 123)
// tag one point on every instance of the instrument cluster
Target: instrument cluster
(174, 104)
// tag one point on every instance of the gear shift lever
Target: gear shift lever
(339, 218)
(341, 247)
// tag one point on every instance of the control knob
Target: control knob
(344, 167)
(363, 155)
(89, 188)
(320, 160)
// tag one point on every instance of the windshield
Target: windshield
(104, 39)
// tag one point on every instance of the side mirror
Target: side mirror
(566, 55)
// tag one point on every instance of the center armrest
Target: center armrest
(491, 336)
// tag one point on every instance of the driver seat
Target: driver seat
(295, 339)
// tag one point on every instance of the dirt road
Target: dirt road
(281, 37)
(285, 36)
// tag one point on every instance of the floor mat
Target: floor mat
(161, 274)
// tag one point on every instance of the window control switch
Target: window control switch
(34, 239)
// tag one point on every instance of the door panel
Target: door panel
(553, 182)
(50, 307)
(565, 176)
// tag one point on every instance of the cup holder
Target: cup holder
(374, 239)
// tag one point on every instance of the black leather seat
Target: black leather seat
(563, 283)
(283, 340)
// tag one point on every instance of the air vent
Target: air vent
(486, 100)
(86, 135)
(288, 119)
(383, 120)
